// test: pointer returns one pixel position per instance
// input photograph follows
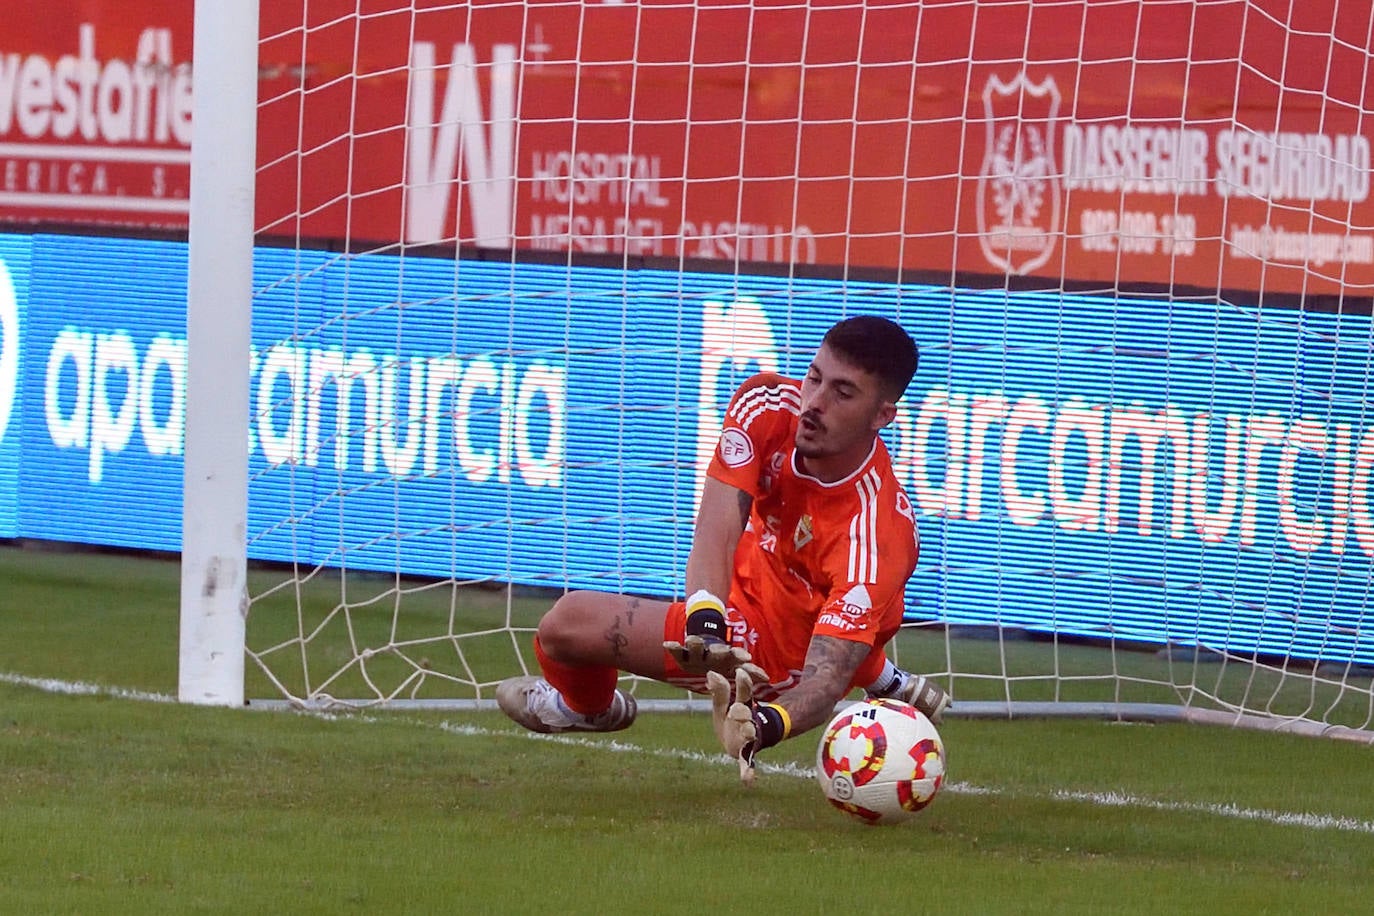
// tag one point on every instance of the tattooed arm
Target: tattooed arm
(745, 727)
(826, 675)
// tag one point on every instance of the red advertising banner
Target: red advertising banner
(1208, 146)
(95, 113)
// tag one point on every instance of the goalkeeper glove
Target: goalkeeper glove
(744, 727)
(704, 646)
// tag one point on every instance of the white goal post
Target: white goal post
(508, 260)
(214, 587)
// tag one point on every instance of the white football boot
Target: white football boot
(534, 703)
(921, 692)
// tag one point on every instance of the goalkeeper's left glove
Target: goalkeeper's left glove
(704, 646)
(744, 727)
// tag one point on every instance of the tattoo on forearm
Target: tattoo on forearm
(830, 664)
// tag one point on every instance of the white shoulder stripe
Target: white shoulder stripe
(863, 530)
(758, 400)
(772, 394)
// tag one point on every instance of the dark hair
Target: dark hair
(878, 346)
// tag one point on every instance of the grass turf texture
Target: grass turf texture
(116, 805)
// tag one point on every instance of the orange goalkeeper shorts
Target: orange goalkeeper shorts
(782, 673)
(743, 634)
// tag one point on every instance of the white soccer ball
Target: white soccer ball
(880, 761)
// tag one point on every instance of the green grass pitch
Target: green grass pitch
(114, 801)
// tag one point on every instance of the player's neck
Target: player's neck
(837, 467)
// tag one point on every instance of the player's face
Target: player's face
(842, 409)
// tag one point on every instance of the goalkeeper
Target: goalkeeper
(803, 545)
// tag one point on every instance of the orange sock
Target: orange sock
(587, 689)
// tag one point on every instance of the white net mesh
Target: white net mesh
(517, 256)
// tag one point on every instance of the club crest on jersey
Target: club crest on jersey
(735, 448)
(1018, 192)
(802, 534)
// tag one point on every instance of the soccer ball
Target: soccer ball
(880, 761)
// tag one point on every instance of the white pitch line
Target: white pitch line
(82, 688)
(1307, 820)
(1105, 799)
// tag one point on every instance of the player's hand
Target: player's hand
(700, 654)
(734, 721)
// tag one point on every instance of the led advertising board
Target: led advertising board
(1121, 467)
(14, 288)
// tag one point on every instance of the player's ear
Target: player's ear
(887, 412)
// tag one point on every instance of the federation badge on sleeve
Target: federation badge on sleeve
(735, 448)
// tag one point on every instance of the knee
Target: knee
(566, 631)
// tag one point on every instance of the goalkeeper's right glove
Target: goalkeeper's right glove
(704, 646)
(744, 727)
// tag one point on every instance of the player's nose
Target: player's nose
(816, 403)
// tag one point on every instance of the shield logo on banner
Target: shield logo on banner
(1018, 186)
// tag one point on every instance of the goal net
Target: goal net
(513, 257)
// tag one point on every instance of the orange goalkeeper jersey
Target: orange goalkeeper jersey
(815, 558)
